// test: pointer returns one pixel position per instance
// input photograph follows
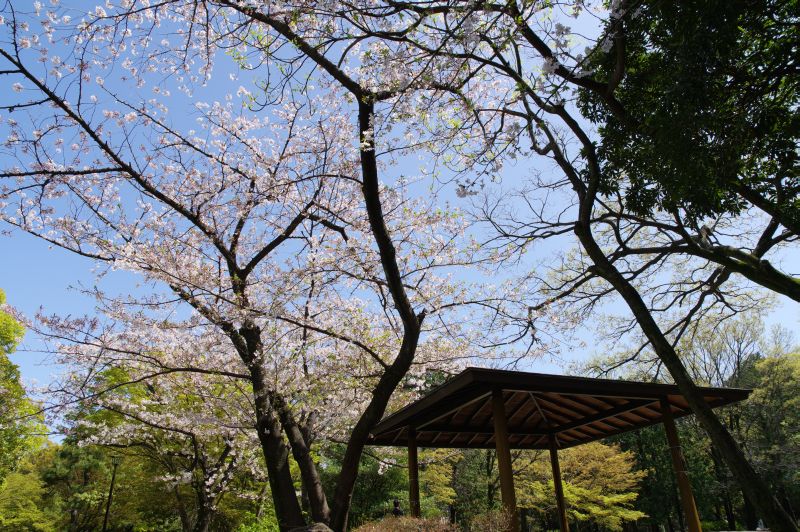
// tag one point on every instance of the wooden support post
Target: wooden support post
(559, 487)
(679, 464)
(504, 459)
(413, 473)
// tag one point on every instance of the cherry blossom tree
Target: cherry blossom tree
(263, 213)
(197, 431)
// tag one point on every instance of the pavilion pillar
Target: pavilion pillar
(503, 449)
(559, 486)
(679, 464)
(413, 473)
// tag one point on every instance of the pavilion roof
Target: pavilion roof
(575, 410)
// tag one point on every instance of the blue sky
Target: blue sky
(35, 276)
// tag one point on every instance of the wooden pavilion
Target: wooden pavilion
(487, 408)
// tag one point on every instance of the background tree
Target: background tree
(736, 353)
(770, 421)
(20, 425)
(23, 502)
(600, 486)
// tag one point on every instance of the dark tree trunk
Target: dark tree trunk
(750, 517)
(730, 518)
(186, 525)
(678, 510)
(752, 484)
(247, 341)
(490, 488)
(203, 512)
(203, 521)
(276, 455)
(720, 473)
(787, 502)
(262, 498)
(312, 484)
(412, 322)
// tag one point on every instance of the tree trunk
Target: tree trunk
(262, 497)
(186, 525)
(755, 488)
(678, 510)
(730, 518)
(276, 454)
(203, 521)
(750, 517)
(412, 322)
(312, 484)
(490, 489)
(727, 505)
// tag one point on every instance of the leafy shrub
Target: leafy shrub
(407, 524)
(494, 521)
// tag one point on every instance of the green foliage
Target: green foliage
(600, 485)
(22, 502)
(77, 479)
(475, 484)
(19, 421)
(11, 331)
(264, 524)
(436, 473)
(66, 488)
(609, 511)
(770, 424)
(658, 496)
(711, 97)
(375, 489)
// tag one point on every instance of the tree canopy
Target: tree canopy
(710, 93)
(318, 199)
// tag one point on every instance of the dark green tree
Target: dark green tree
(702, 120)
(709, 108)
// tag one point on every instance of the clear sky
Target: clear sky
(36, 276)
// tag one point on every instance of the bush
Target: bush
(494, 521)
(407, 524)
(265, 524)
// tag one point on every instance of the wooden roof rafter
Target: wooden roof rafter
(574, 410)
